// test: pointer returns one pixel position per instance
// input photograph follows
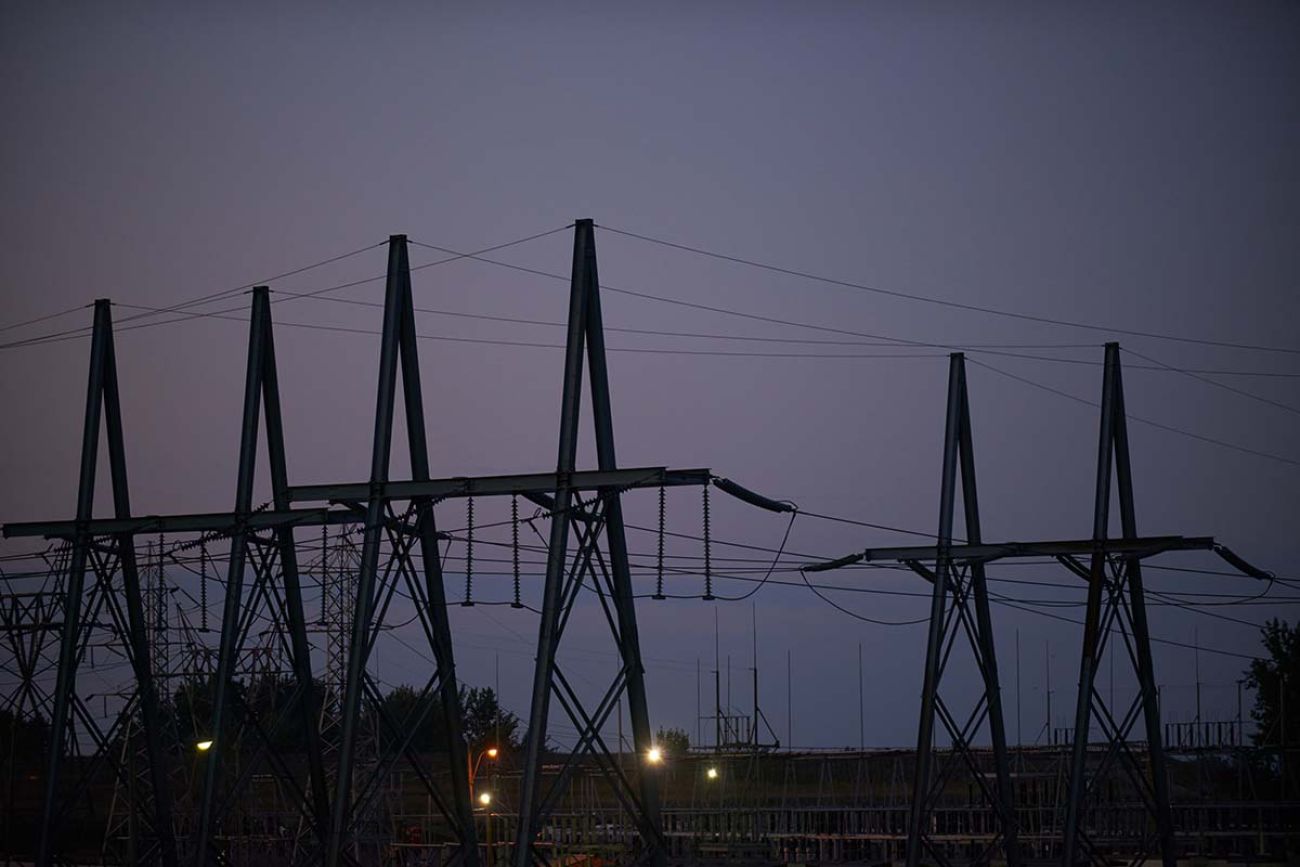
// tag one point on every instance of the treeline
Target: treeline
(270, 705)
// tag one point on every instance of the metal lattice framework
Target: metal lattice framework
(97, 600)
(1116, 606)
(263, 582)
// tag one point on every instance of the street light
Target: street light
(711, 773)
(654, 756)
(484, 798)
(203, 746)
(491, 753)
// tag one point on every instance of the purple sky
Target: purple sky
(1121, 166)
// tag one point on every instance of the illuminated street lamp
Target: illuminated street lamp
(203, 746)
(484, 798)
(654, 756)
(491, 753)
(711, 773)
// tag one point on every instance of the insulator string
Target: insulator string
(469, 552)
(708, 549)
(203, 586)
(514, 534)
(659, 563)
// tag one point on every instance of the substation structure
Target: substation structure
(322, 772)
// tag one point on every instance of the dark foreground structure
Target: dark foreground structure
(143, 742)
(758, 808)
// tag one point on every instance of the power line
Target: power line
(1161, 426)
(491, 341)
(222, 295)
(772, 320)
(1154, 640)
(44, 318)
(202, 299)
(993, 311)
(1192, 374)
(515, 320)
(1027, 605)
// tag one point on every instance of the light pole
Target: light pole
(491, 753)
(485, 799)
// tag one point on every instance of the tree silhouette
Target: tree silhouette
(1276, 681)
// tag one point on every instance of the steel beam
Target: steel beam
(206, 522)
(523, 484)
(1147, 546)
(489, 486)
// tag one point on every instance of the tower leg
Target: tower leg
(938, 608)
(629, 638)
(544, 671)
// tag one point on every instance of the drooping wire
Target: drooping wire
(659, 562)
(514, 541)
(771, 568)
(832, 603)
(469, 553)
(708, 550)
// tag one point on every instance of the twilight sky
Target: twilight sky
(1131, 168)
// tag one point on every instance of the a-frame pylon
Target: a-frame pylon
(399, 343)
(956, 590)
(1116, 606)
(261, 391)
(611, 578)
(103, 403)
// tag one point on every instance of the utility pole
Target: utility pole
(1047, 667)
(862, 718)
(789, 699)
(717, 683)
(753, 725)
